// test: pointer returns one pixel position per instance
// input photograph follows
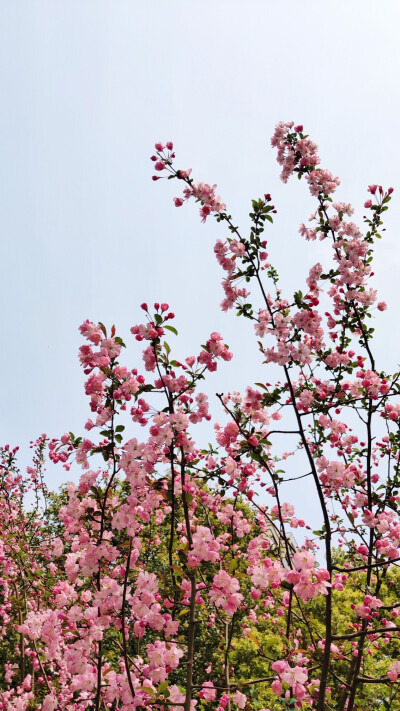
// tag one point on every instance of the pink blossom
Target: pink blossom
(294, 675)
(394, 671)
(225, 592)
(208, 693)
(239, 699)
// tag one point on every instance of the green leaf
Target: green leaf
(172, 329)
(162, 687)
(232, 566)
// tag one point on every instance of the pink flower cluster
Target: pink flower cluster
(210, 202)
(297, 152)
(214, 348)
(294, 677)
(225, 593)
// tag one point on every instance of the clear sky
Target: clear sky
(88, 86)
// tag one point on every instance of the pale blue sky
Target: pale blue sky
(87, 87)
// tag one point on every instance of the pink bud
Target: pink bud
(276, 687)
(178, 201)
(170, 145)
(159, 147)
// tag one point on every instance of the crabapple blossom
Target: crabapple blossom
(167, 561)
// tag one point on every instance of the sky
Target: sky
(87, 87)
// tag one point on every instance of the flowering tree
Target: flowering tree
(163, 563)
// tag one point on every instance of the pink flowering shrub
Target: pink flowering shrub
(140, 585)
